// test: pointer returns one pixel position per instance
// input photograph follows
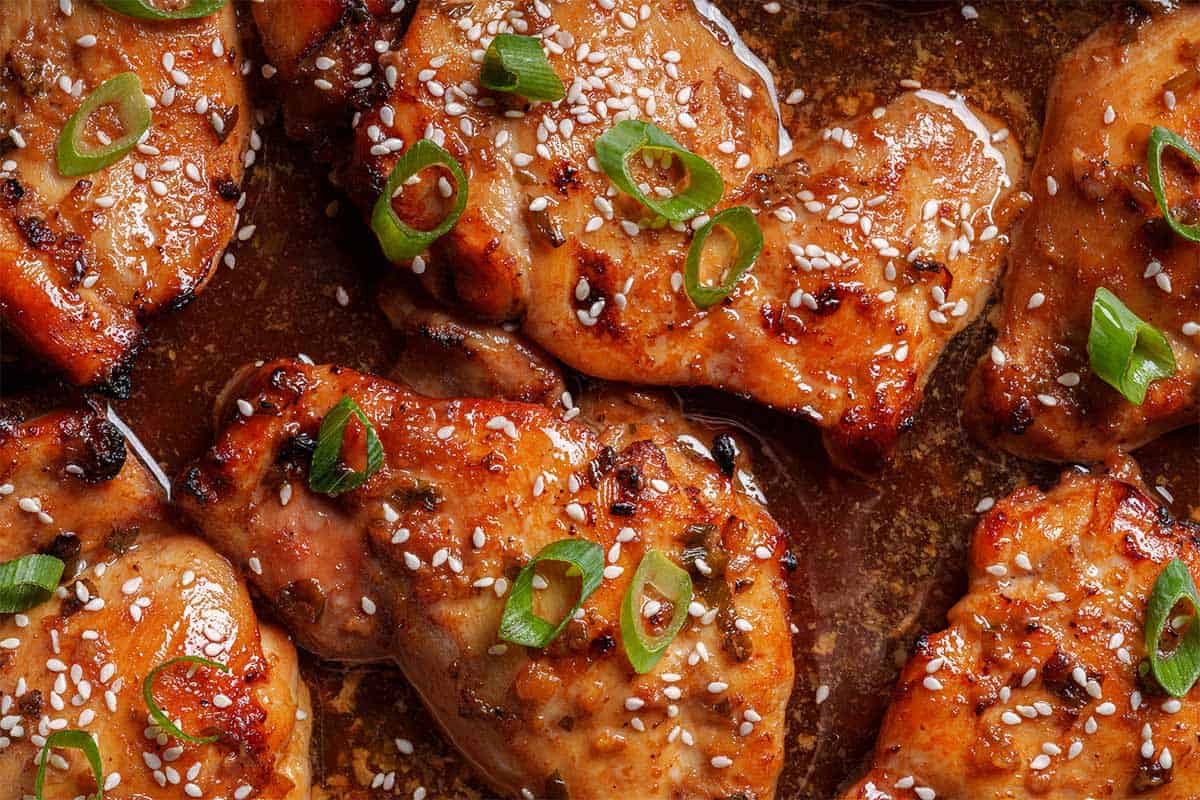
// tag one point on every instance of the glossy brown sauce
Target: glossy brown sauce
(880, 561)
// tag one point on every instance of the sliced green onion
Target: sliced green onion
(517, 64)
(519, 624)
(740, 222)
(144, 10)
(27, 581)
(125, 90)
(1177, 672)
(629, 137)
(157, 714)
(673, 583)
(328, 473)
(70, 740)
(399, 240)
(1127, 353)
(1160, 139)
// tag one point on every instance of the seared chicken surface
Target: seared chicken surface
(136, 592)
(882, 239)
(416, 564)
(1094, 223)
(446, 356)
(1034, 689)
(84, 260)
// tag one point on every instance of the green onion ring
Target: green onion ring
(327, 472)
(519, 624)
(72, 740)
(674, 583)
(1160, 139)
(144, 10)
(518, 65)
(629, 137)
(740, 222)
(125, 90)
(27, 581)
(1127, 353)
(158, 715)
(1179, 671)
(399, 240)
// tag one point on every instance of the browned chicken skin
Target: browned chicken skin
(414, 566)
(882, 239)
(1036, 395)
(1033, 690)
(84, 260)
(444, 356)
(137, 591)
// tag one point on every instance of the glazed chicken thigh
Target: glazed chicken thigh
(882, 236)
(416, 565)
(1094, 223)
(84, 259)
(136, 592)
(1034, 689)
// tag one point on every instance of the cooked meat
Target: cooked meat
(136, 592)
(84, 260)
(342, 35)
(1034, 689)
(1094, 223)
(415, 566)
(882, 240)
(445, 356)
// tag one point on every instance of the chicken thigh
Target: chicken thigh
(136, 592)
(416, 565)
(1035, 689)
(1094, 223)
(84, 259)
(882, 239)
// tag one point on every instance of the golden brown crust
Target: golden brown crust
(1033, 690)
(849, 345)
(84, 261)
(406, 541)
(136, 592)
(1036, 395)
